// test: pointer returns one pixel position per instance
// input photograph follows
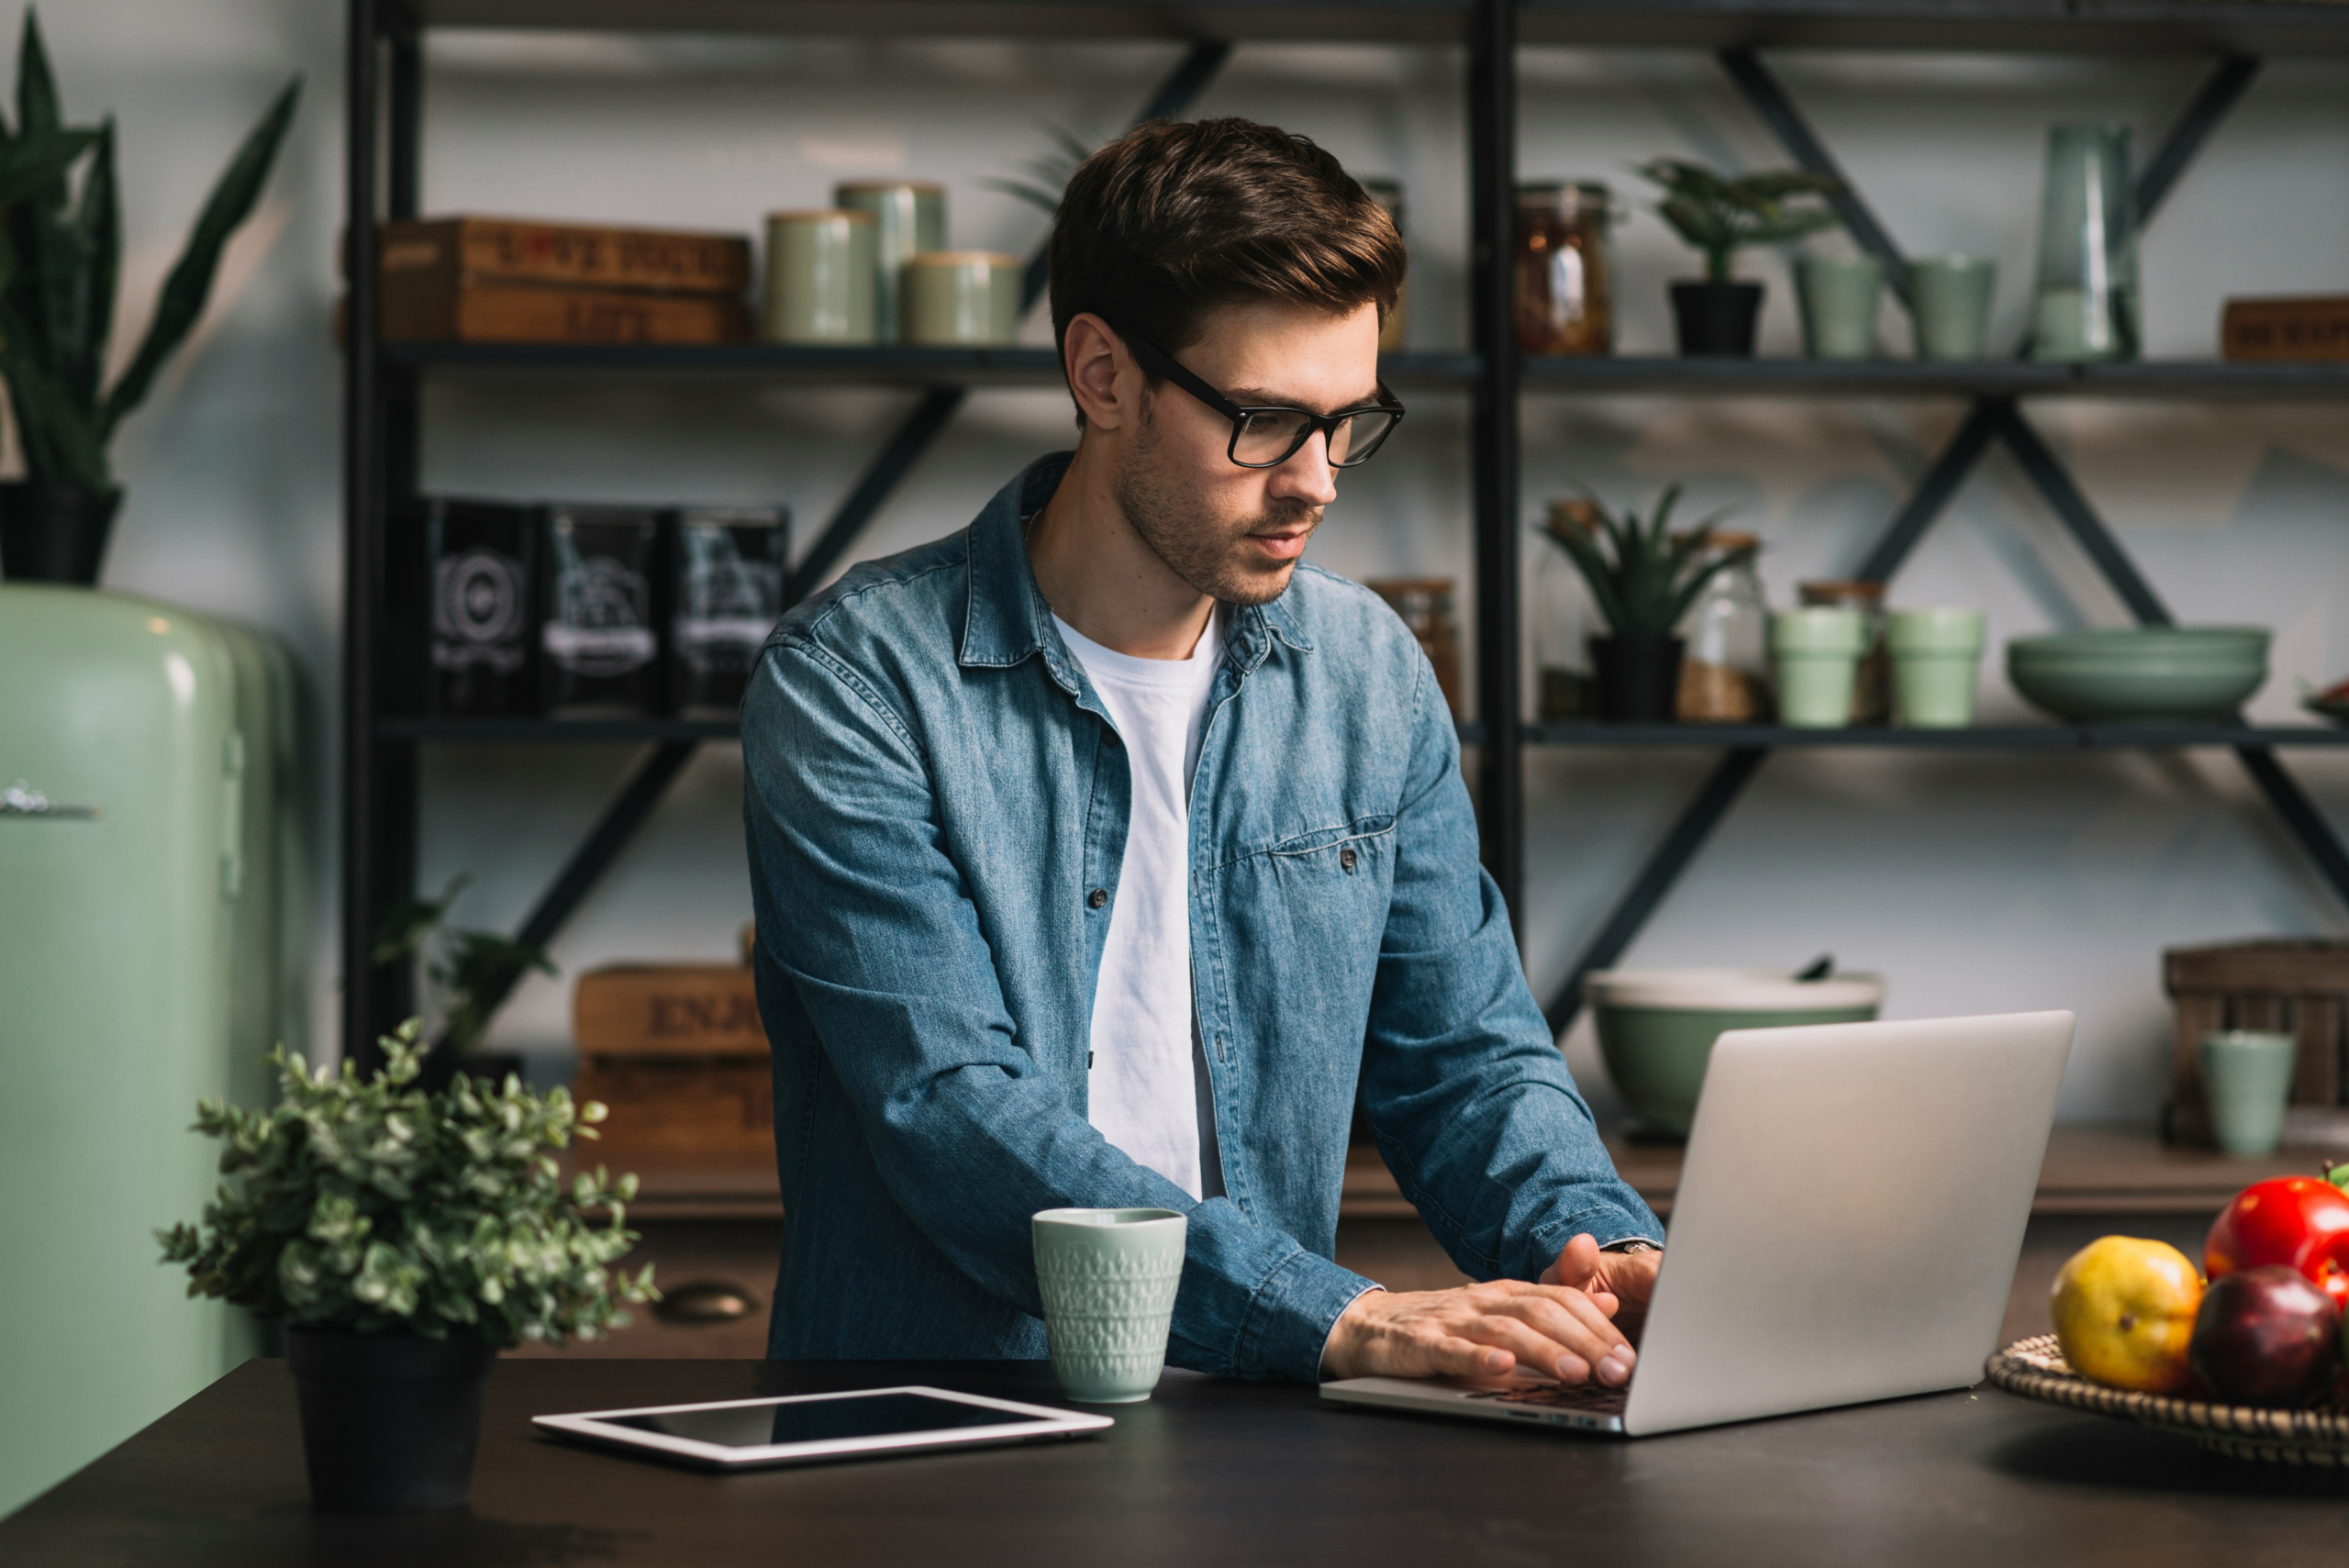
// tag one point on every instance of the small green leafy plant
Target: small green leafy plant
(368, 1205)
(61, 260)
(1643, 576)
(1720, 216)
(473, 972)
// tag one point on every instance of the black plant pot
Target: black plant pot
(1635, 677)
(389, 1421)
(54, 531)
(1717, 318)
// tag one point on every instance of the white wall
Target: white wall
(1975, 882)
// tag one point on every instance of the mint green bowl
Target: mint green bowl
(2140, 675)
(1656, 1028)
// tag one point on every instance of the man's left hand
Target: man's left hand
(1621, 1283)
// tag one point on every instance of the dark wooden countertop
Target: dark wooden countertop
(1210, 1472)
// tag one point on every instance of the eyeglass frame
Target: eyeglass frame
(1161, 364)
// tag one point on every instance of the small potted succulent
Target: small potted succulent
(1720, 216)
(404, 1238)
(63, 243)
(1642, 578)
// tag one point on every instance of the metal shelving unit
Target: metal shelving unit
(384, 381)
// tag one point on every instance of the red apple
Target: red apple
(2266, 1336)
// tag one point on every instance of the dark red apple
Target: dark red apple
(2266, 1336)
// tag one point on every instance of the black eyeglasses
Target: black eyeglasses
(1267, 437)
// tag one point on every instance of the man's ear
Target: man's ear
(1102, 376)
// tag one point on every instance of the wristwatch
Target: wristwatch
(1634, 1245)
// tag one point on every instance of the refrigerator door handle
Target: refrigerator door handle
(20, 799)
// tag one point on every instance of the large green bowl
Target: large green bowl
(1656, 1028)
(2162, 681)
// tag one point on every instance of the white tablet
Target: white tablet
(815, 1428)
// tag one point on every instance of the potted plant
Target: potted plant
(1720, 216)
(404, 1238)
(59, 270)
(1642, 578)
(472, 973)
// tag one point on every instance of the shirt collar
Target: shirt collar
(1007, 619)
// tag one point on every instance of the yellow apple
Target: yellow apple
(2125, 1311)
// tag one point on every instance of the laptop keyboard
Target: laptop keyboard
(1594, 1397)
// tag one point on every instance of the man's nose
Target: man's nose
(1307, 475)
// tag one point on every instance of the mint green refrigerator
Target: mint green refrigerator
(152, 861)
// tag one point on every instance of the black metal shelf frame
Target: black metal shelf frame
(1995, 417)
(382, 457)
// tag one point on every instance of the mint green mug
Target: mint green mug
(1108, 1278)
(961, 297)
(2247, 1075)
(1936, 656)
(1816, 653)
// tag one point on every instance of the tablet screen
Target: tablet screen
(821, 1420)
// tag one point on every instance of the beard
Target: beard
(1205, 550)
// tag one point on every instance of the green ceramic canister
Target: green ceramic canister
(820, 277)
(961, 297)
(1656, 1028)
(909, 217)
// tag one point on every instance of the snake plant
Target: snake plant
(61, 257)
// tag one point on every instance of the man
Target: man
(1101, 851)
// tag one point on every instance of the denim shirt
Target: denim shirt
(937, 814)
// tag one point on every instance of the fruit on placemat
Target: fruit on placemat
(2266, 1336)
(2125, 1311)
(2298, 1221)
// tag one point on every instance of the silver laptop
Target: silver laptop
(1846, 1229)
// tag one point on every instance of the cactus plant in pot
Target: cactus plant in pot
(1642, 578)
(1719, 216)
(61, 254)
(404, 1238)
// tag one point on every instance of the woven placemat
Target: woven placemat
(2036, 1369)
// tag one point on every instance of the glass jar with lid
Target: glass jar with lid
(1872, 690)
(1564, 619)
(1565, 302)
(1725, 671)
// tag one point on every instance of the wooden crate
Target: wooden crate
(718, 1107)
(2300, 988)
(677, 1053)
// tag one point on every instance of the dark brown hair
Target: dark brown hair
(1160, 226)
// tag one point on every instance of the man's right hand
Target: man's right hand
(1480, 1330)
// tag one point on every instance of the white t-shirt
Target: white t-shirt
(1147, 1094)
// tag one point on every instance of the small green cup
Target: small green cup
(1949, 299)
(2247, 1074)
(1108, 1278)
(1838, 296)
(1936, 658)
(1816, 653)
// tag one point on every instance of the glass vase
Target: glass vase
(2085, 305)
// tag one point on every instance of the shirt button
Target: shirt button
(1097, 897)
(1346, 858)
(1109, 738)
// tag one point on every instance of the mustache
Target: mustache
(1284, 518)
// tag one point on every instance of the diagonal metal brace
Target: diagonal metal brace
(2226, 86)
(2054, 482)
(1769, 100)
(1727, 781)
(1934, 491)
